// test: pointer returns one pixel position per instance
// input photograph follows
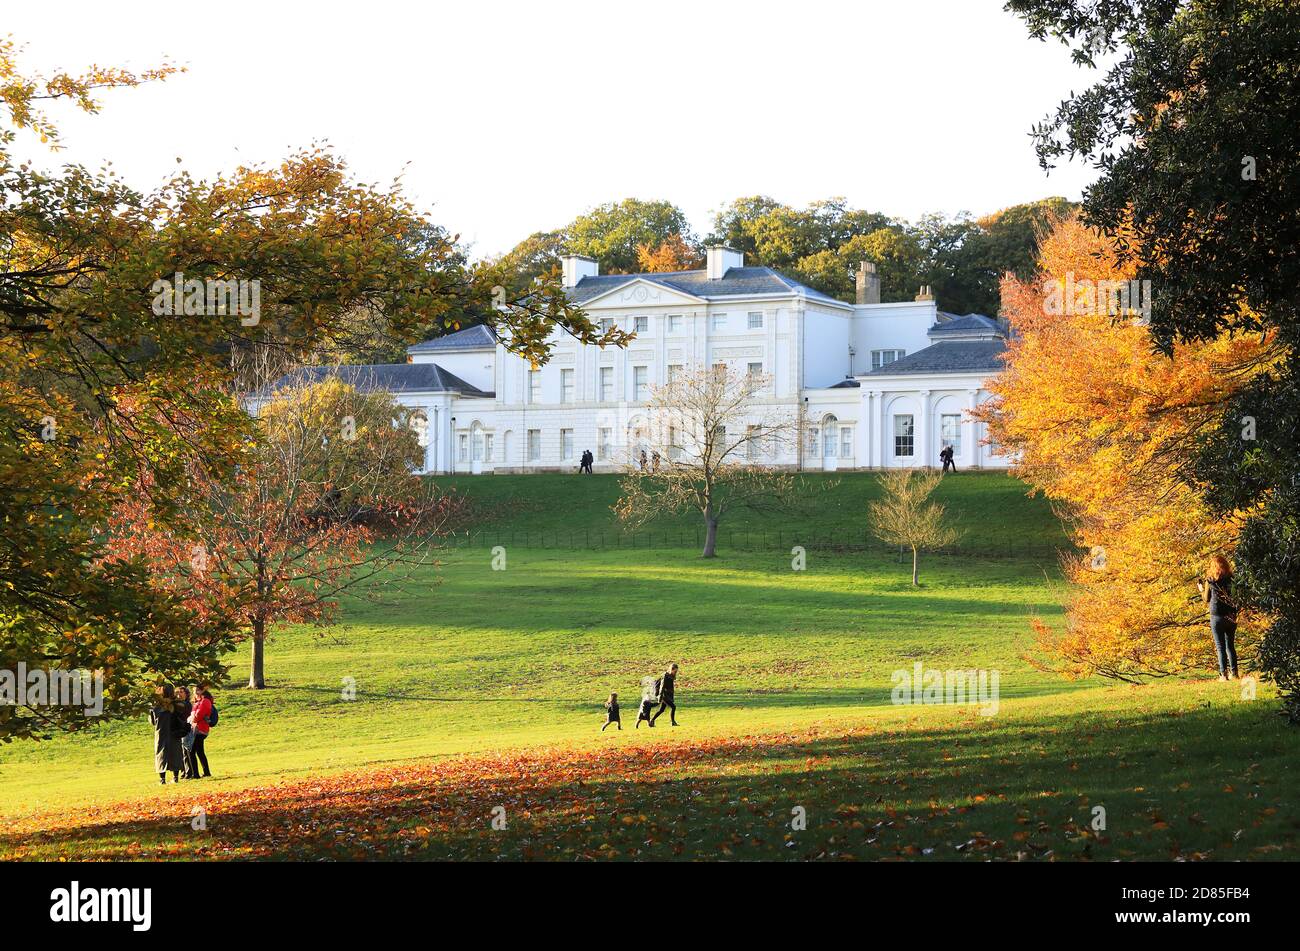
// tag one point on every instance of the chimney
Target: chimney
(576, 267)
(719, 259)
(868, 283)
(924, 293)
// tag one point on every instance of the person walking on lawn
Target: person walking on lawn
(667, 700)
(612, 714)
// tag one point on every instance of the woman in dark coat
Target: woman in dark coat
(181, 727)
(166, 744)
(1216, 592)
(667, 695)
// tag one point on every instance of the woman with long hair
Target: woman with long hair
(166, 744)
(1216, 593)
(200, 718)
(181, 726)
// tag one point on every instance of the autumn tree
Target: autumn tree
(324, 502)
(904, 516)
(112, 388)
(1194, 128)
(710, 441)
(613, 232)
(1105, 427)
(671, 254)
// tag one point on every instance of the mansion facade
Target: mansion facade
(882, 385)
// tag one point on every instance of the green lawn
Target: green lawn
(468, 660)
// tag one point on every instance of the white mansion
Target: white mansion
(883, 385)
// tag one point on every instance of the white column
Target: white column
(972, 452)
(865, 434)
(921, 447)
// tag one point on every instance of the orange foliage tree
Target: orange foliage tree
(1104, 425)
(674, 253)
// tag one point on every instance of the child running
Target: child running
(612, 706)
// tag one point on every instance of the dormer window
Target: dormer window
(880, 358)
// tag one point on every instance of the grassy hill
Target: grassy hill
(785, 692)
(554, 510)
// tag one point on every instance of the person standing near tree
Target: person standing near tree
(181, 711)
(166, 745)
(667, 700)
(201, 720)
(1216, 592)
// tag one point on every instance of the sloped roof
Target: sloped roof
(737, 282)
(949, 356)
(478, 337)
(969, 326)
(390, 377)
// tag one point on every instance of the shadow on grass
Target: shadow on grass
(1210, 783)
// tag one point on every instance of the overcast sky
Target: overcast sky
(506, 117)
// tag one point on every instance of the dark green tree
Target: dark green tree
(1195, 127)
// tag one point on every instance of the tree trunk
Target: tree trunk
(914, 567)
(710, 537)
(256, 680)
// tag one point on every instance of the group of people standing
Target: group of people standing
(180, 730)
(661, 690)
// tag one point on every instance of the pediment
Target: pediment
(639, 292)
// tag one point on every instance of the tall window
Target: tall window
(950, 431)
(751, 443)
(881, 357)
(534, 445)
(813, 433)
(755, 320)
(566, 386)
(640, 384)
(674, 323)
(674, 371)
(674, 444)
(642, 324)
(534, 386)
(846, 442)
(478, 445)
(487, 447)
(606, 384)
(718, 321)
(903, 435)
(830, 438)
(462, 447)
(566, 443)
(603, 443)
(755, 370)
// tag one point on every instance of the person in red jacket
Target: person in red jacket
(199, 720)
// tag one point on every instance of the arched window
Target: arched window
(830, 436)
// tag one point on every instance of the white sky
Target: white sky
(506, 117)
